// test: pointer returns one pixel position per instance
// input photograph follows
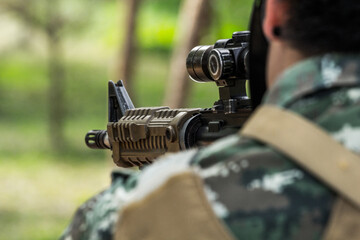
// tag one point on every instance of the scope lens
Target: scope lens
(214, 65)
(197, 64)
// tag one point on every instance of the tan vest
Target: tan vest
(328, 160)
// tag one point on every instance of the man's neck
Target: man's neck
(280, 57)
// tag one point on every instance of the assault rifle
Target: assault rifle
(137, 136)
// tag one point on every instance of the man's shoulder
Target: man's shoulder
(228, 148)
(234, 170)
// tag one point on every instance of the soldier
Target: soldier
(243, 187)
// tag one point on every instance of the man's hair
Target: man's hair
(322, 26)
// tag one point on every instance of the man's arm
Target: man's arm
(95, 219)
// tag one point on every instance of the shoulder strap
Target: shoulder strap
(309, 146)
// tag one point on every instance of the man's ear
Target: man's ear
(275, 18)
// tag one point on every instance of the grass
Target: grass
(40, 192)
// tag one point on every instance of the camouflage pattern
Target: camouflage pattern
(256, 191)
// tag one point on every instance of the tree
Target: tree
(52, 18)
(127, 53)
(194, 20)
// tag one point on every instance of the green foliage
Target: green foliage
(158, 22)
(231, 16)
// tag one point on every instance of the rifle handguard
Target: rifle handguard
(144, 134)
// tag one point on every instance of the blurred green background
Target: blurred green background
(40, 187)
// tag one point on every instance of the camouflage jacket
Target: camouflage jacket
(256, 191)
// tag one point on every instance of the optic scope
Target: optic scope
(225, 60)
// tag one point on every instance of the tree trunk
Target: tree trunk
(194, 20)
(56, 91)
(56, 71)
(126, 59)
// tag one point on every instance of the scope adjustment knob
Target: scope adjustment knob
(241, 37)
(221, 63)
